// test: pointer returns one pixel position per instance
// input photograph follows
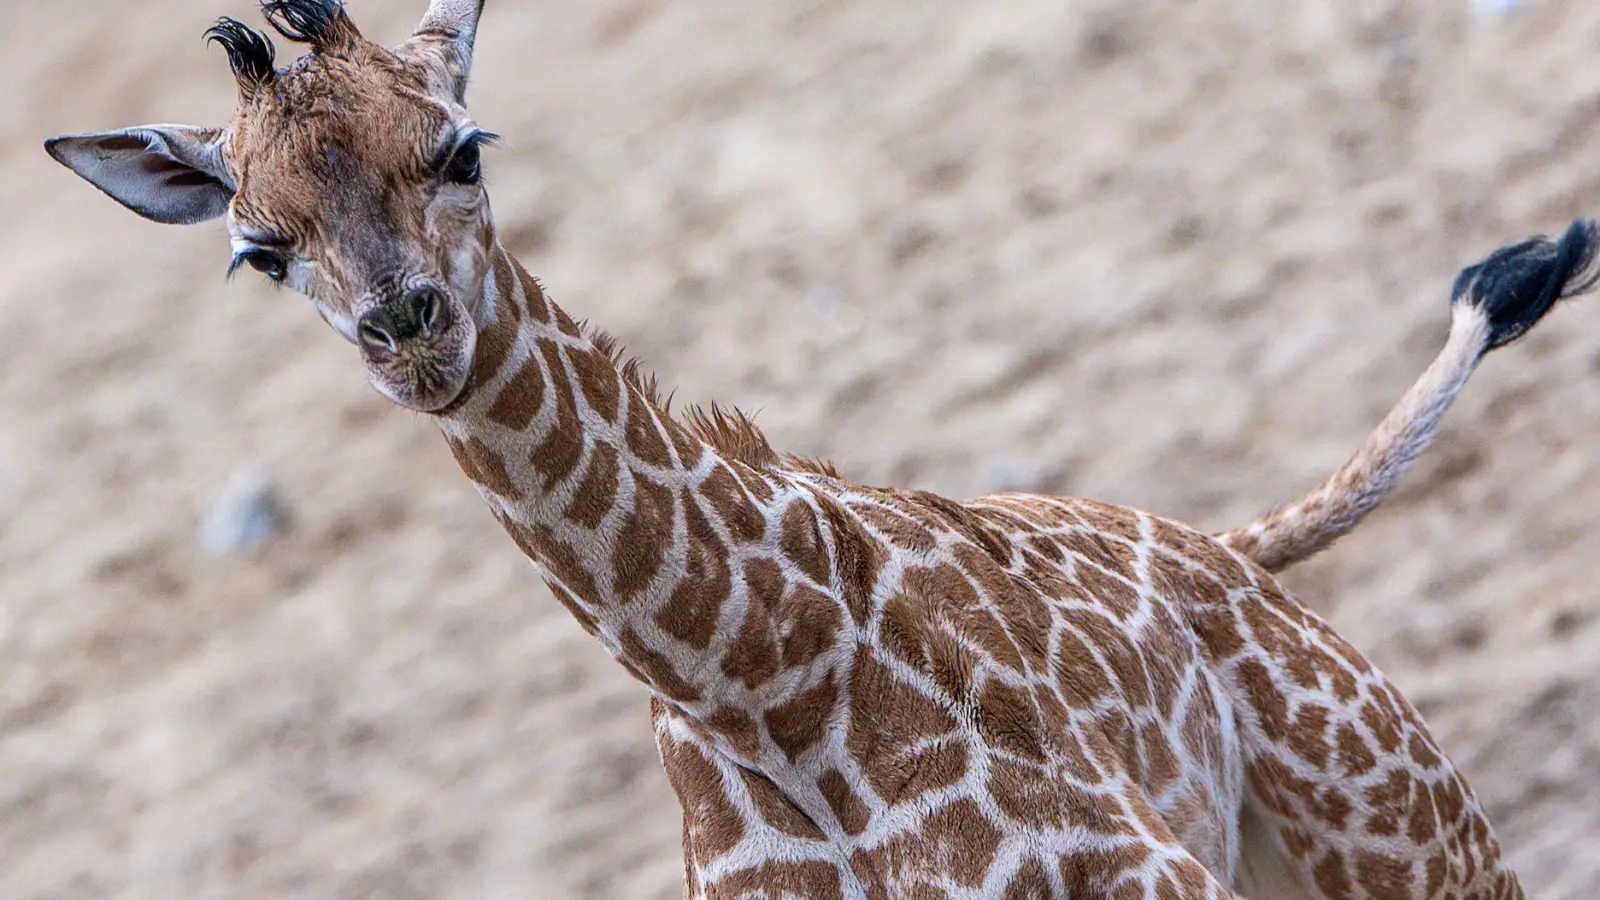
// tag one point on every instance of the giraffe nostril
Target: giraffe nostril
(427, 309)
(419, 313)
(375, 338)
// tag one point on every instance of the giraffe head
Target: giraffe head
(351, 175)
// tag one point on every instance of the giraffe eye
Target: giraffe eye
(466, 166)
(267, 262)
(466, 163)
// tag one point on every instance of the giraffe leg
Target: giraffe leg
(1347, 790)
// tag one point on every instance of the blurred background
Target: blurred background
(259, 638)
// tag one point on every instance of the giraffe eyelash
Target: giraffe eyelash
(461, 164)
(268, 262)
(477, 137)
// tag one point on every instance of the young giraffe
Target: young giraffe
(857, 692)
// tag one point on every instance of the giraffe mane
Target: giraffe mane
(728, 430)
(733, 433)
(811, 465)
(631, 367)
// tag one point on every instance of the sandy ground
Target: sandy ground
(1176, 255)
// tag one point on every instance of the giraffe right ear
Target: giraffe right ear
(171, 174)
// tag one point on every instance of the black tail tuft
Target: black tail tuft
(1517, 285)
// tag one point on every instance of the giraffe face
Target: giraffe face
(376, 213)
(351, 176)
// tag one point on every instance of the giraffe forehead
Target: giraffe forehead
(343, 83)
(303, 170)
(329, 122)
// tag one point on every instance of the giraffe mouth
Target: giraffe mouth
(459, 400)
(429, 373)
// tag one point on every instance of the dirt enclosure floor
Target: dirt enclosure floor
(1176, 255)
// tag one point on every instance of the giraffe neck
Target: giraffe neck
(629, 515)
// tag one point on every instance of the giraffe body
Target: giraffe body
(857, 692)
(1079, 721)
(874, 693)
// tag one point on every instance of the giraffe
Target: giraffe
(857, 692)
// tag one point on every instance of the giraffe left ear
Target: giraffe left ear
(171, 174)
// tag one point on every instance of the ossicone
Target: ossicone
(452, 26)
(321, 23)
(250, 54)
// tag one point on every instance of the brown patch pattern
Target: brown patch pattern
(1053, 659)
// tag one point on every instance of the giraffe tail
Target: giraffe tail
(1492, 304)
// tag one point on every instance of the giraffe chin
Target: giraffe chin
(429, 390)
(463, 394)
(436, 381)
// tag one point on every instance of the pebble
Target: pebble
(248, 513)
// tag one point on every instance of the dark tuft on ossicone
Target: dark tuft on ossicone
(320, 23)
(1517, 285)
(250, 53)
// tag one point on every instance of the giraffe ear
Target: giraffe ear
(171, 174)
(448, 29)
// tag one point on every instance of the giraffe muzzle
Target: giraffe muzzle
(422, 312)
(417, 347)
